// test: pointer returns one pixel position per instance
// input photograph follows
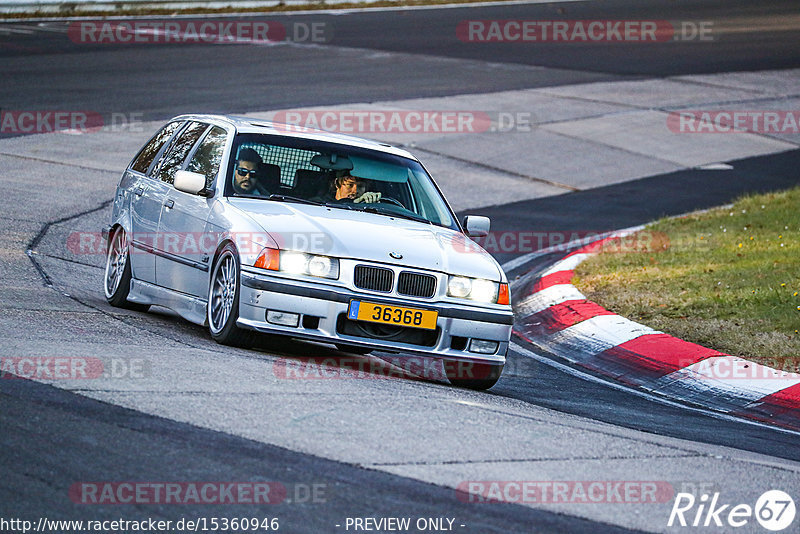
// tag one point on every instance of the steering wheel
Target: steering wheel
(392, 201)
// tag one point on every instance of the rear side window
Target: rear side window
(150, 150)
(208, 156)
(179, 150)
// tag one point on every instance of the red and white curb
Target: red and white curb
(554, 316)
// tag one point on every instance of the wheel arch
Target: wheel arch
(112, 230)
(220, 246)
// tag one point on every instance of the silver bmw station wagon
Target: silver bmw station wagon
(253, 227)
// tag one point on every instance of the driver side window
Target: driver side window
(208, 156)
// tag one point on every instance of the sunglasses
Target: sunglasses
(244, 172)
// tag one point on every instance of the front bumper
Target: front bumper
(323, 310)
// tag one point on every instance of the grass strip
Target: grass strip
(727, 279)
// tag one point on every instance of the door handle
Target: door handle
(169, 204)
(139, 191)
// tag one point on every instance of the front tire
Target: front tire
(353, 349)
(223, 301)
(477, 376)
(117, 280)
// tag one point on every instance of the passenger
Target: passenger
(348, 188)
(246, 173)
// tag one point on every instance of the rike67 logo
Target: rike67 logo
(774, 510)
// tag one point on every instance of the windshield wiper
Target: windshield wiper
(390, 213)
(340, 205)
(289, 198)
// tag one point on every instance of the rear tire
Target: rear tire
(477, 376)
(222, 309)
(117, 281)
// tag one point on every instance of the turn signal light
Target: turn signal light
(269, 259)
(503, 297)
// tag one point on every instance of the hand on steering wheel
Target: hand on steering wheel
(369, 198)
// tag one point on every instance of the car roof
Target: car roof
(253, 125)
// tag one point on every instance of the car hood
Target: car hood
(358, 235)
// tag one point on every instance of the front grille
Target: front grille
(416, 284)
(373, 278)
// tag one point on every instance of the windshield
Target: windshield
(282, 169)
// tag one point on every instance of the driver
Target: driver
(348, 188)
(245, 174)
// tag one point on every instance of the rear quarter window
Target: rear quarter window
(146, 156)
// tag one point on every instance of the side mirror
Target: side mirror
(193, 183)
(476, 226)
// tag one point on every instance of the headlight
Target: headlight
(484, 291)
(292, 262)
(458, 286)
(320, 266)
(477, 289)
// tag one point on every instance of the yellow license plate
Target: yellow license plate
(396, 315)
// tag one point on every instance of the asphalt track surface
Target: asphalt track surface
(52, 438)
(44, 70)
